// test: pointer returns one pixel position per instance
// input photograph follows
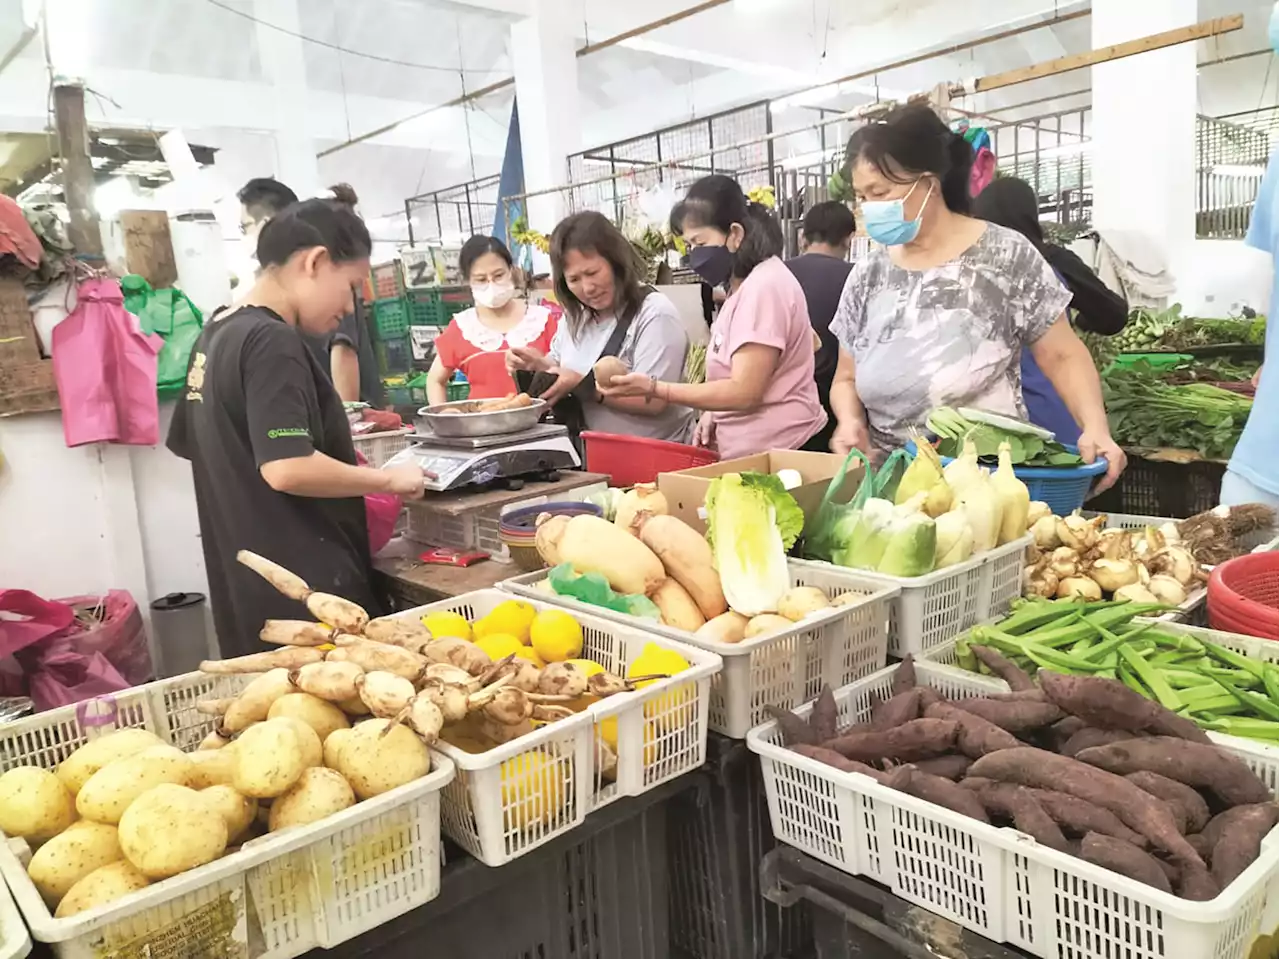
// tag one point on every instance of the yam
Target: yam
(728, 627)
(896, 710)
(677, 607)
(1240, 846)
(1091, 736)
(977, 736)
(1182, 798)
(686, 556)
(825, 716)
(834, 759)
(1124, 858)
(1079, 816)
(1019, 804)
(75, 770)
(594, 545)
(1003, 667)
(918, 739)
(935, 789)
(1014, 717)
(1194, 764)
(1110, 704)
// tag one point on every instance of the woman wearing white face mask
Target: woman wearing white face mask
(939, 313)
(476, 340)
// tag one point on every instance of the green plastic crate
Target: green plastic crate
(394, 355)
(457, 391)
(435, 309)
(391, 317)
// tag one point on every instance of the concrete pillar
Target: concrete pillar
(1144, 129)
(284, 68)
(546, 70)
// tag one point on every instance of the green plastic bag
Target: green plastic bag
(174, 318)
(834, 524)
(594, 589)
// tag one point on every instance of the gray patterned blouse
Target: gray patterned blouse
(951, 335)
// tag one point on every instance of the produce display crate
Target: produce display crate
(1158, 488)
(434, 307)
(513, 798)
(718, 834)
(457, 390)
(15, 941)
(386, 280)
(377, 448)
(996, 881)
(280, 896)
(784, 669)
(394, 356)
(391, 318)
(936, 607)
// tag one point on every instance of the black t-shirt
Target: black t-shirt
(822, 278)
(353, 332)
(255, 394)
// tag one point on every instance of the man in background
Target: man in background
(822, 270)
(348, 353)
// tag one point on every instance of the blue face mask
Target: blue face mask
(886, 222)
(713, 263)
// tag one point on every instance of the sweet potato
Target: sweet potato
(1018, 803)
(1091, 736)
(896, 710)
(794, 729)
(1110, 704)
(1021, 696)
(1015, 717)
(1080, 817)
(937, 790)
(825, 716)
(1124, 858)
(1140, 811)
(1064, 729)
(1194, 764)
(928, 696)
(904, 677)
(1006, 669)
(1195, 811)
(1240, 845)
(1225, 822)
(833, 758)
(977, 736)
(1197, 884)
(918, 739)
(1202, 844)
(951, 767)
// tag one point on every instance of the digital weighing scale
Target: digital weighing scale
(458, 461)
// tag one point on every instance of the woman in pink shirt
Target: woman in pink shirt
(760, 392)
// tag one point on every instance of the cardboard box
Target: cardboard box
(686, 491)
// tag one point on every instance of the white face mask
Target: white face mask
(493, 295)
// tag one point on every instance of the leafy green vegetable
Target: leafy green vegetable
(750, 522)
(1144, 411)
(1025, 449)
(789, 517)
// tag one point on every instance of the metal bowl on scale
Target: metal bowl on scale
(462, 422)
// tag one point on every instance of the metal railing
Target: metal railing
(453, 214)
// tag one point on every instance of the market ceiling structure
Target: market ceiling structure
(195, 64)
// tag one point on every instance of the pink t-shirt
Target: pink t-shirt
(769, 309)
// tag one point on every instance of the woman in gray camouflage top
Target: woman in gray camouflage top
(939, 312)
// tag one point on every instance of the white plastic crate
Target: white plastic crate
(513, 798)
(377, 448)
(938, 606)
(15, 941)
(996, 881)
(833, 647)
(280, 896)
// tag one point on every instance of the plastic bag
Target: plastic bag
(381, 512)
(60, 674)
(105, 368)
(834, 523)
(171, 315)
(26, 619)
(594, 589)
(118, 635)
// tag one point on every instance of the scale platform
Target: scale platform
(458, 461)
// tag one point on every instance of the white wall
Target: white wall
(1222, 277)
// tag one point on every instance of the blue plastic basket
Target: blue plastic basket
(1063, 488)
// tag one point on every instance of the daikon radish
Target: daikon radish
(295, 632)
(686, 555)
(291, 584)
(679, 611)
(290, 657)
(338, 612)
(594, 545)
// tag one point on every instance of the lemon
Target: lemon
(670, 710)
(527, 652)
(511, 616)
(607, 731)
(444, 623)
(499, 645)
(533, 790)
(556, 636)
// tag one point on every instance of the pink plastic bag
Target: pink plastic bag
(381, 510)
(26, 619)
(105, 368)
(119, 635)
(59, 674)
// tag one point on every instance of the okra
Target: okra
(1271, 680)
(1043, 655)
(1260, 729)
(1151, 678)
(1030, 617)
(1132, 681)
(1232, 658)
(1258, 703)
(1207, 699)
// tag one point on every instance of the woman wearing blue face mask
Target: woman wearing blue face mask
(939, 313)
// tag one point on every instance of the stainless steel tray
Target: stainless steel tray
(430, 419)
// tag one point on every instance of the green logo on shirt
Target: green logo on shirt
(287, 433)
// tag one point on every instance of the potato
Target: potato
(96, 753)
(333, 746)
(324, 717)
(308, 741)
(170, 829)
(801, 601)
(728, 627)
(374, 763)
(766, 624)
(318, 793)
(110, 790)
(105, 884)
(211, 767)
(236, 810)
(70, 856)
(34, 804)
(269, 759)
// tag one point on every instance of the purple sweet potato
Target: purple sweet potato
(928, 696)
(1005, 668)
(1202, 844)
(918, 739)
(1064, 729)
(1240, 845)
(1140, 811)
(1124, 858)
(1092, 736)
(896, 710)
(1197, 884)
(1195, 811)
(1193, 764)
(951, 767)
(977, 736)
(1110, 704)
(1021, 696)
(1079, 817)
(833, 758)
(1015, 717)
(904, 677)
(794, 729)
(935, 789)
(1225, 822)
(825, 715)
(1017, 803)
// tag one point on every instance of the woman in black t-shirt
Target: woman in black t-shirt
(270, 449)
